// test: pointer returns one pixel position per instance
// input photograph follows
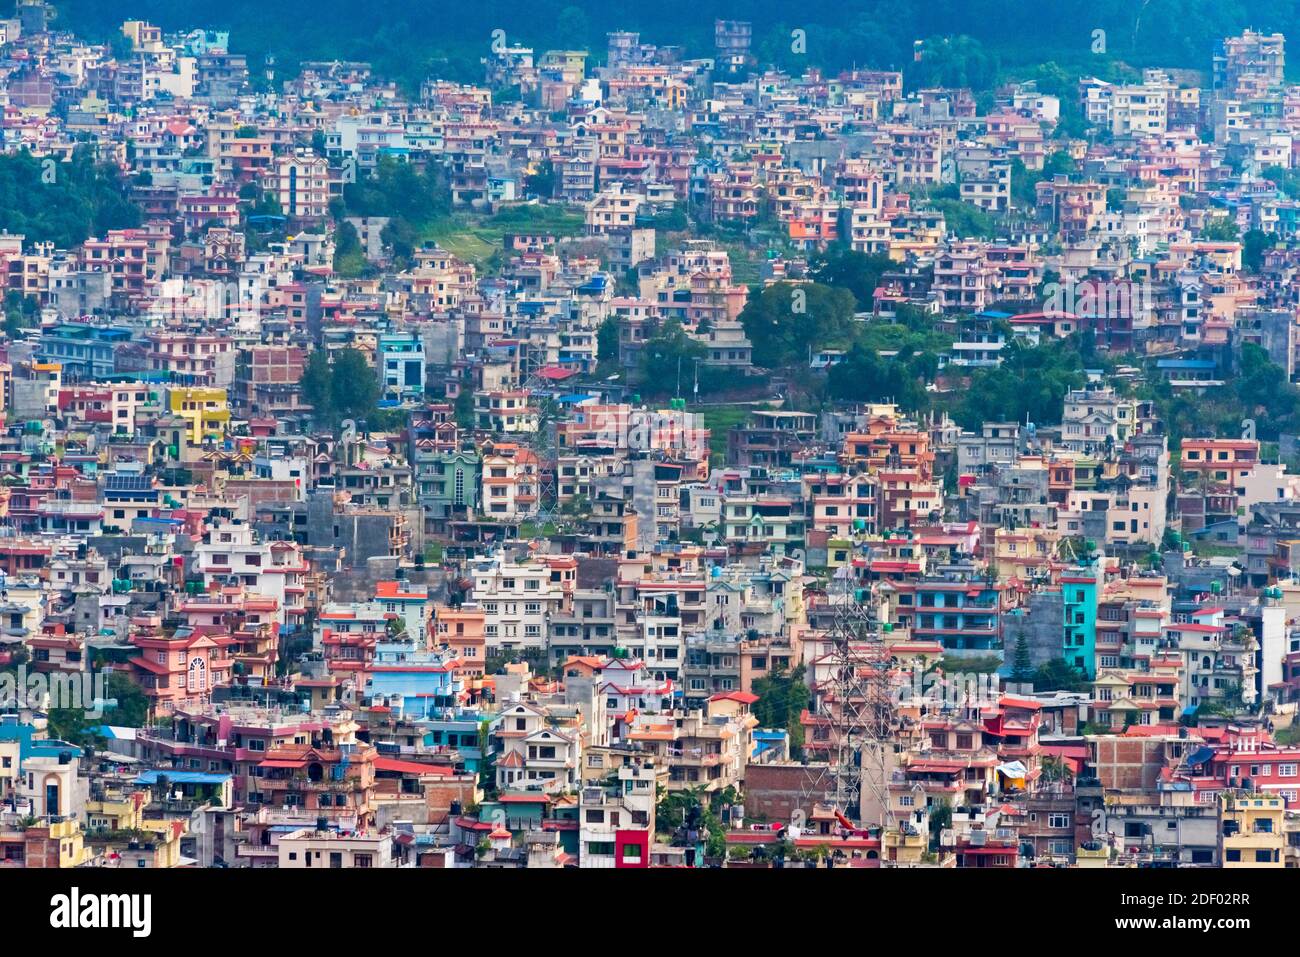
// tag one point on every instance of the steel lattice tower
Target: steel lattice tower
(861, 705)
(540, 444)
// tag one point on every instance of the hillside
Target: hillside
(409, 38)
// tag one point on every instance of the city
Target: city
(639, 456)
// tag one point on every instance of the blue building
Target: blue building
(400, 359)
(413, 682)
(456, 731)
(1081, 591)
(85, 352)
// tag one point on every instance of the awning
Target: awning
(412, 767)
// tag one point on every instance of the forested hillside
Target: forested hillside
(409, 38)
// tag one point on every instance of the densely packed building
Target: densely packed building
(346, 547)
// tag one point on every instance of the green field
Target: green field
(718, 419)
(476, 239)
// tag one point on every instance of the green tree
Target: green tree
(62, 202)
(1220, 230)
(864, 375)
(464, 409)
(132, 708)
(965, 220)
(21, 312)
(1030, 383)
(317, 386)
(940, 820)
(607, 340)
(541, 182)
(785, 322)
(782, 698)
(857, 272)
(574, 26)
(354, 386)
(666, 359)
(953, 61)
(349, 257)
(1054, 769)
(1254, 244)
(400, 190)
(1059, 675)
(1022, 670)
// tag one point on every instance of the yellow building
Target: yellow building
(1252, 830)
(118, 826)
(1020, 552)
(206, 411)
(116, 811)
(46, 844)
(1092, 854)
(162, 845)
(905, 846)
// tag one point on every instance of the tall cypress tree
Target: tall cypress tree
(1023, 669)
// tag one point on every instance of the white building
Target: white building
(233, 556)
(518, 599)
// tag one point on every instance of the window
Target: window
(1058, 820)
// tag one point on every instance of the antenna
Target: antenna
(859, 702)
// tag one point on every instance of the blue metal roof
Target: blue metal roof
(31, 746)
(182, 777)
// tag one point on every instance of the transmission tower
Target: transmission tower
(859, 702)
(540, 444)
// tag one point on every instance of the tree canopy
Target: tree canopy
(859, 273)
(62, 202)
(341, 385)
(1031, 383)
(785, 321)
(667, 357)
